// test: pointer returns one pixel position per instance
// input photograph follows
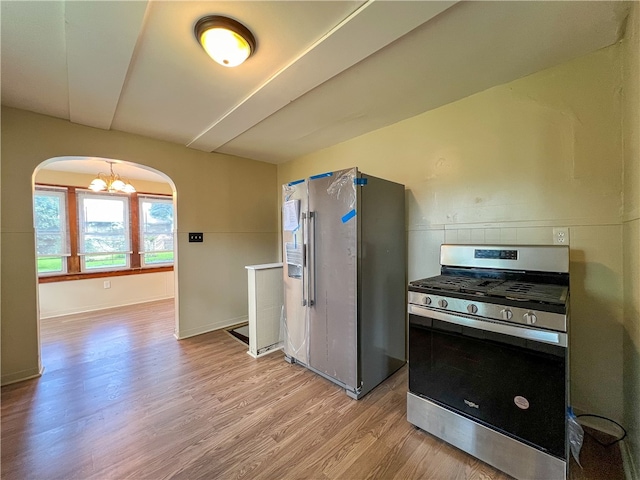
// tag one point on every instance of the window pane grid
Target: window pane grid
(104, 241)
(50, 223)
(156, 230)
(94, 262)
(92, 254)
(97, 237)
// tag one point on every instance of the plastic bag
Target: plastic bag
(576, 435)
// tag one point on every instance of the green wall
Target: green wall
(631, 227)
(231, 199)
(507, 165)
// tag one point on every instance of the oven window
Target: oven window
(513, 385)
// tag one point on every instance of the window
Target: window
(79, 233)
(52, 240)
(156, 230)
(103, 227)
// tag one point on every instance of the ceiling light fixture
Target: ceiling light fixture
(112, 183)
(227, 41)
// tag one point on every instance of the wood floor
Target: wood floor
(121, 398)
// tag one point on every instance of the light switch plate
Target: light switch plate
(196, 237)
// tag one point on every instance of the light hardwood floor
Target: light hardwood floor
(121, 398)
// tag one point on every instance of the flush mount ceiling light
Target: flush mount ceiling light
(227, 41)
(112, 183)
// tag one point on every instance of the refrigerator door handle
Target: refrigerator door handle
(304, 257)
(311, 283)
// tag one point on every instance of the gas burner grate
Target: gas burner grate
(511, 289)
(519, 287)
(452, 283)
(539, 292)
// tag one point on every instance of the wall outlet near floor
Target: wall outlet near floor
(196, 237)
(107, 284)
(561, 236)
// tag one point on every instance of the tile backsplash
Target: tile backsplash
(501, 236)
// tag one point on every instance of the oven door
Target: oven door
(509, 378)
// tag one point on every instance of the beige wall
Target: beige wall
(506, 166)
(631, 227)
(230, 199)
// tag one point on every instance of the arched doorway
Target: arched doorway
(104, 249)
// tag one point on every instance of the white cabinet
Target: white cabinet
(265, 308)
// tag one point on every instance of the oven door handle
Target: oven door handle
(553, 338)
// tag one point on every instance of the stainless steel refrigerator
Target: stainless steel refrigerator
(344, 255)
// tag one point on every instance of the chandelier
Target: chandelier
(112, 183)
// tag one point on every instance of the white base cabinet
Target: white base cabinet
(265, 308)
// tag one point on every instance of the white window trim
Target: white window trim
(81, 196)
(61, 193)
(141, 224)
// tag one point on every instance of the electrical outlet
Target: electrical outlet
(107, 284)
(561, 236)
(196, 237)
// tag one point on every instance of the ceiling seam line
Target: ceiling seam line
(134, 53)
(324, 37)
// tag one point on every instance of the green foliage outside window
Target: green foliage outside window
(50, 264)
(51, 237)
(102, 231)
(105, 261)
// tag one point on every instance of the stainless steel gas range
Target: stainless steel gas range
(488, 356)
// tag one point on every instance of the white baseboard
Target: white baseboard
(192, 332)
(106, 306)
(630, 472)
(21, 376)
(266, 351)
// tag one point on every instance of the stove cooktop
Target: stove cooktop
(452, 285)
(527, 285)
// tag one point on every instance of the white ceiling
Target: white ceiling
(95, 165)
(323, 71)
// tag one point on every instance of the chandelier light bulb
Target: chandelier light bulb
(97, 185)
(117, 186)
(111, 183)
(128, 188)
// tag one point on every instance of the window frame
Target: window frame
(62, 194)
(73, 265)
(125, 200)
(141, 223)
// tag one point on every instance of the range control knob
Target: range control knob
(506, 314)
(426, 300)
(530, 318)
(471, 308)
(442, 303)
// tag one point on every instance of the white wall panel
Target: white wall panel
(64, 298)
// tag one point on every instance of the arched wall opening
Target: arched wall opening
(230, 199)
(57, 294)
